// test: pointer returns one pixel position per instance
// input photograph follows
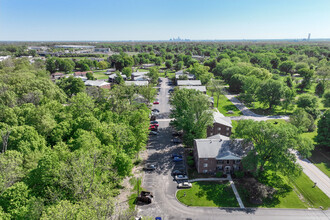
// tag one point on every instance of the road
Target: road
(161, 183)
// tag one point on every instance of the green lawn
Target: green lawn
(210, 194)
(313, 196)
(261, 109)
(320, 157)
(100, 75)
(225, 105)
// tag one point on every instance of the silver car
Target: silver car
(184, 185)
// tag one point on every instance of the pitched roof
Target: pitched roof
(198, 88)
(189, 83)
(221, 119)
(136, 83)
(222, 149)
(97, 83)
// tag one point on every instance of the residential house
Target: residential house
(57, 75)
(98, 83)
(137, 83)
(197, 88)
(219, 153)
(110, 71)
(221, 125)
(112, 77)
(179, 74)
(147, 65)
(139, 76)
(102, 50)
(189, 83)
(81, 73)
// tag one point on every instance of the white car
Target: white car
(181, 177)
(184, 185)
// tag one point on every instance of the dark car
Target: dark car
(178, 172)
(155, 110)
(177, 159)
(154, 122)
(170, 90)
(149, 167)
(176, 155)
(153, 133)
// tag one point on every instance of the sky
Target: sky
(121, 20)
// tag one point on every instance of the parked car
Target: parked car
(155, 102)
(184, 185)
(177, 141)
(155, 110)
(154, 122)
(176, 155)
(153, 133)
(153, 118)
(154, 113)
(181, 177)
(149, 167)
(178, 172)
(177, 159)
(156, 125)
(170, 83)
(170, 90)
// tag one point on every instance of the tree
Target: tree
(270, 92)
(236, 83)
(168, 64)
(289, 82)
(51, 65)
(323, 130)
(153, 75)
(127, 71)
(307, 74)
(103, 65)
(65, 65)
(179, 65)
(288, 97)
(85, 67)
(148, 92)
(250, 88)
(302, 120)
(273, 153)
(201, 72)
(287, 66)
(90, 76)
(307, 101)
(71, 85)
(191, 113)
(221, 66)
(319, 89)
(326, 99)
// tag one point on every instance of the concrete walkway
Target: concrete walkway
(315, 174)
(247, 113)
(239, 200)
(208, 179)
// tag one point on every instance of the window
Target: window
(211, 133)
(227, 161)
(205, 164)
(219, 162)
(227, 134)
(219, 129)
(220, 167)
(204, 171)
(227, 129)
(205, 159)
(237, 161)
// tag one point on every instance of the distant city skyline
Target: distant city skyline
(143, 20)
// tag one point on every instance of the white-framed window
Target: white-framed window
(211, 133)
(204, 171)
(227, 133)
(227, 129)
(205, 159)
(205, 164)
(219, 129)
(220, 167)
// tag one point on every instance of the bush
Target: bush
(239, 174)
(191, 163)
(219, 174)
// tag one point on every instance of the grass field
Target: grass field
(100, 74)
(210, 194)
(313, 196)
(225, 105)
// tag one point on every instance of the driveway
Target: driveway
(161, 183)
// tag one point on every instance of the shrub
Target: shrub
(191, 163)
(239, 174)
(219, 174)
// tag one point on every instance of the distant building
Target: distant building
(147, 65)
(37, 48)
(102, 50)
(221, 125)
(81, 73)
(2, 58)
(181, 74)
(136, 83)
(57, 75)
(139, 76)
(189, 83)
(197, 88)
(98, 83)
(74, 46)
(112, 77)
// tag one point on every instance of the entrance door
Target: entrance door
(227, 169)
